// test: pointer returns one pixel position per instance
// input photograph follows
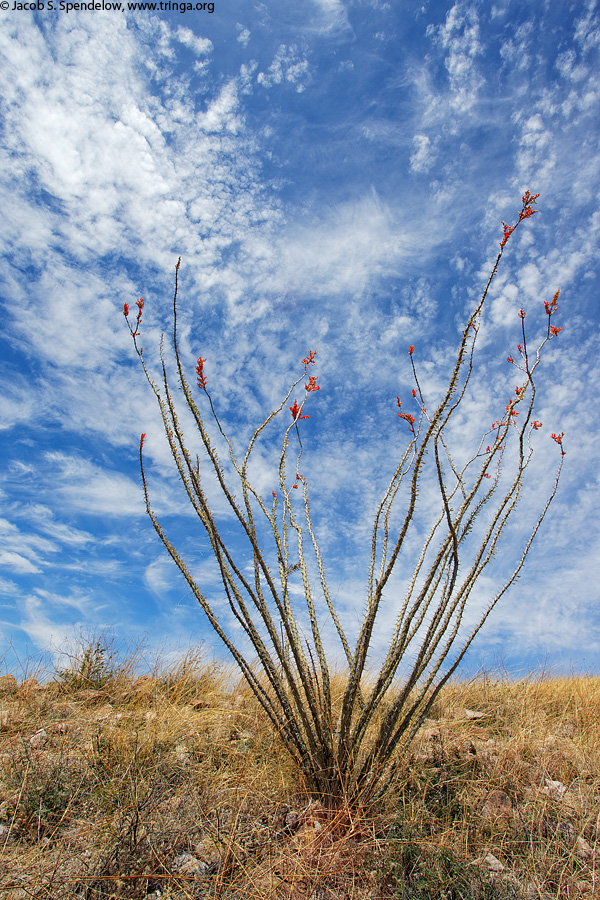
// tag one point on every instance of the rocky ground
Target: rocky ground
(175, 786)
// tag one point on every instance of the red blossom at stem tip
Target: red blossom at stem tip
(200, 373)
(274, 495)
(521, 313)
(551, 307)
(535, 425)
(508, 230)
(558, 438)
(509, 359)
(407, 416)
(414, 393)
(554, 331)
(142, 439)
(126, 309)
(310, 358)
(296, 410)
(312, 384)
(411, 350)
(525, 213)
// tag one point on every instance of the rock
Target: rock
(208, 854)
(493, 864)
(187, 864)
(39, 739)
(8, 684)
(497, 805)
(583, 849)
(181, 752)
(554, 789)
(474, 714)
(533, 891)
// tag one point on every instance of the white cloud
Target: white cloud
(17, 563)
(423, 156)
(200, 46)
(289, 65)
(243, 34)
(332, 17)
(88, 488)
(460, 36)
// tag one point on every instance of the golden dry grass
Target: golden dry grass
(174, 785)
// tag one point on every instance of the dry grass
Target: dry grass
(174, 785)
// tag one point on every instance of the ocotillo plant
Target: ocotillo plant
(336, 746)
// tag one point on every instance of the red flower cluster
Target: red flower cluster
(312, 384)
(525, 213)
(310, 358)
(554, 331)
(410, 350)
(508, 230)
(296, 410)
(535, 425)
(558, 438)
(200, 373)
(407, 416)
(553, 305)
(126, 309)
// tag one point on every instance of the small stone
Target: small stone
(468, 747)
(39, 739)
(474, 714)
(493, 864)
(182, 752)
(583, 849)
(554, 789)
(497, 805)
(189, 865)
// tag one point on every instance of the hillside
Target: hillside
(174, 785)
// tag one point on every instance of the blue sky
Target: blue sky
(333, 174)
